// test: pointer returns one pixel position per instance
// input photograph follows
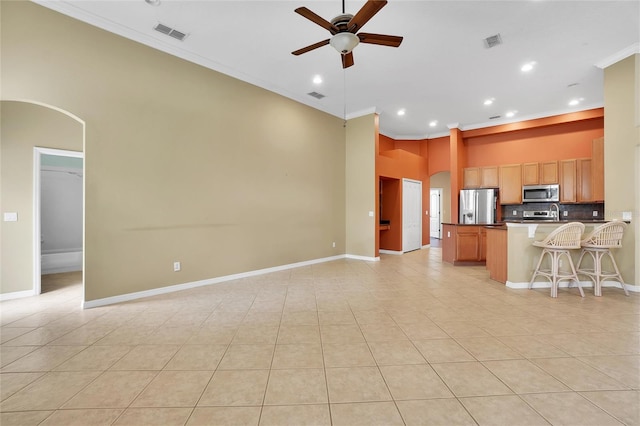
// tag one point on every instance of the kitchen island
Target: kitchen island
(514, 241)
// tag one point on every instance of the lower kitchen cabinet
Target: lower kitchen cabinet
(497, 253)
(464, 244)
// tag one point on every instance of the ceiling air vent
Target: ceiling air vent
(171, 32)
(316, 95)
(492, 41)
(493, 117)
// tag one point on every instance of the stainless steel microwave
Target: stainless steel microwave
(540, 193)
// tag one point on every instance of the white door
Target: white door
(434, 219)
(411, 215)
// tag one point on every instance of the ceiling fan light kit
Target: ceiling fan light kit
(344, 31)
(344, 42)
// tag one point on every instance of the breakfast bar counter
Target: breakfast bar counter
(511, 256)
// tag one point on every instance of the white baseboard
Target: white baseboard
(394, 252)
(53, 263)
(185, 286)
(366, 258)
(426, 246)
(16, 295)
(564, 284)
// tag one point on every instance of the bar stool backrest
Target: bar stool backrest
(607, 235)
(564, 237)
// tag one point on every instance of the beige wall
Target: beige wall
(443, 180)
(23, 127)
(361, 186)
(182, 163)
(621, 143)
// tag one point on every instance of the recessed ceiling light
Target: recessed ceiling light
(433, 123)
(511, 113)
(401, 112)
(489, 101)
(317, 79)
(528, 66)
(574, 102)
(153, 2)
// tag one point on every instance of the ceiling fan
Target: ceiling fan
(344, 31)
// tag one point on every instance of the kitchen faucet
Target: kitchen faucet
(557, 212)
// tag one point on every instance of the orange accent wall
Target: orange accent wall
(438, 155)
(558, 142)
(385, 143)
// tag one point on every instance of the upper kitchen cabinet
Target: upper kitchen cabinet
(584, 180)
(530, 173)
(548, 173)
(597, 169)
(489, 177)
(480, 177)
(545, 173)
(510, 184)
(471, 177)
(568, 181)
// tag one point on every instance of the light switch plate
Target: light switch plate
(626, 215)
(10, 216)
(566, 213)
(370, 214)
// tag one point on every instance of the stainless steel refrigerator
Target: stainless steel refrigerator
(478, 205)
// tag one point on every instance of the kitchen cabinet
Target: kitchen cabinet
(548, 173)
(545, 173)
(597, 169)
(530, 173)
(584, 187)
(480, 177)
(471, 177)
(497, 253)
(464, 244)
(489, 177)
(511, 184)
(568, 180)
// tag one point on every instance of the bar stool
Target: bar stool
(558, 243)
(598, 244)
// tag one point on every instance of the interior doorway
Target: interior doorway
(58, 218)
(435, 221)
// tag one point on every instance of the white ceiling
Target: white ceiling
(442, 71)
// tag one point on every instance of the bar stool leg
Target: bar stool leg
(574, 275)
(535, 272)
(617, 275)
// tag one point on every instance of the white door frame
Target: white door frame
(37, 249)
(404, 244)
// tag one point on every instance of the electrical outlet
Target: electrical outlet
(448, 234)
(176, 266)
(565, 213)
(334, 244)
(514, 213)
(595, 213)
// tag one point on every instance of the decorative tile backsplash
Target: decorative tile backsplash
(573, 211)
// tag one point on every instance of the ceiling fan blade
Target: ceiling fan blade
(383, 39)
(311, 47)
(317, 19)
(347, 60)
(370, 8)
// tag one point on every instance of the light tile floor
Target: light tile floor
(407, 340)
